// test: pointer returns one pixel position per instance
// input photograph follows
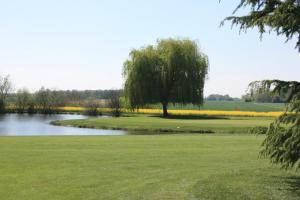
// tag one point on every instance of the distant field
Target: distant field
(229, 105)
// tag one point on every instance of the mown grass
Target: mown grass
(211, 167)
(180, 124)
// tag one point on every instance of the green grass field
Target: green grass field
(211, 167)
(228, 105)
(158, 124)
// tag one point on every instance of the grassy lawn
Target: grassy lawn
(158, 124)
(212, 167)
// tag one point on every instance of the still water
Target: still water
(29, 125)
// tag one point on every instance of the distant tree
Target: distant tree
(219, 97)
(45, 101)
(263, 98)
(268, 97)
(114, 102)
(247, 98)
(92, 108)
(282, 144)
(58, 98)
(5, 88)
(23, 100)
(173, 71)
(278, 99)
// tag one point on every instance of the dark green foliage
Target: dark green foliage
(173, 71)
(282, 16)
(2, 107)
(282, 144)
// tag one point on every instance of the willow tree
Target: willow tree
(172, 71)
(282, 144)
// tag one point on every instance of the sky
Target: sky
(82, 44)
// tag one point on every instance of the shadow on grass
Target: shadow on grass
(204, 117)
(292, 184)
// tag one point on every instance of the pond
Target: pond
(30, 125)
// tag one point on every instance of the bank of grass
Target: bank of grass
(177, 124)
(212, 167)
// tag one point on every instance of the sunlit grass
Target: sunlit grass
(212, 167)
(151, 123)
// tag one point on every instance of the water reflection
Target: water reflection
(26, 125)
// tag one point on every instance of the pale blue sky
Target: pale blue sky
(82, 44)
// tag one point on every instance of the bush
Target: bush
(31, 109)
(92, 109)
(114, 103)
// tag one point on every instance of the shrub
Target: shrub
(92, 108)
(114, 103)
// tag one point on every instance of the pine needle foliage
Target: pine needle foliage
(282, 143)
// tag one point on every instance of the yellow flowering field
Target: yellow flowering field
(213, 112)
(188, 112)
(70, 108)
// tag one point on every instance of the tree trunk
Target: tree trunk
(165, 109)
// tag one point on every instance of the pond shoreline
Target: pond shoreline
(40, 125)
(135, 130)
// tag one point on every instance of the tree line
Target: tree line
(46, 101)
(220, 97)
